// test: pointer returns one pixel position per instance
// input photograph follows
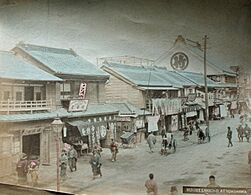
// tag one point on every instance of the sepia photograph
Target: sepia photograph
(125, 97)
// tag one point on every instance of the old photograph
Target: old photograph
(125, 97)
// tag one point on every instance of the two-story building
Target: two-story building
(82, 90)
(27, 105)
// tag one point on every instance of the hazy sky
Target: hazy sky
(144, 28)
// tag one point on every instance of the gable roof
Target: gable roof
(12, 67)
(62, 61)
(147, 76)
(196, 59)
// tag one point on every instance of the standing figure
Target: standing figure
(212, 182)
(151, 140)
(33, 171)
(186, 132)
(22, 170)
(240, 131)
(72, 158)
(63, 164)
(174, 190)
(114, 150)
(151, 186)
(201, 136)
(164, 145)
(173, 143)
(95, 163)
(98, 149)
(229, 137)
(249, 160)
(247, 131)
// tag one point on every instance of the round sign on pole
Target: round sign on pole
(179, 61)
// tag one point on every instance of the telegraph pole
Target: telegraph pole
(206, 89)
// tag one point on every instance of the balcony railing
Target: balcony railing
(20, 106)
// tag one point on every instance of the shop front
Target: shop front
(90, 130)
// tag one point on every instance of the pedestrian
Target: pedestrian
(96, 164)
(212, 182)
(174, 190)
(249, 160)
(240, 132)
(151, 185)
(114, 150)
(247, 131)
(33, 171)
(98, 149)
(186, 132)
(173, 143)
(229, 137)
(22, 170)
(201, 136)
(151, 140)
(72, 158)
(63, 164)
(164, 145)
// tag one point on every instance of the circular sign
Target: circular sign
(179, 61)
(102, 131)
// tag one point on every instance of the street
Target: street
(192, 164)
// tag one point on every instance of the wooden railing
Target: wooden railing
(19, 106)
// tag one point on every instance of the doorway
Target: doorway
(31, 144)
(28, 93)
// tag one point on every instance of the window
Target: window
(19, 95)
(6, 95)
(38, 96)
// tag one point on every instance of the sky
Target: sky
(142, 28)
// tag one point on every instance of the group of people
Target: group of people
(152, 187)
(168, 142)
(68, 157)
(27, 166)
(191, 127)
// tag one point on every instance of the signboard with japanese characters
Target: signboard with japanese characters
(78, 105)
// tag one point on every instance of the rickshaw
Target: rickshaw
(127, 139)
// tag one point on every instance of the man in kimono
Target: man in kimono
(151, 186)
(63, 164)
(95, 163)
(22, 170)
(114, 150)
(151, 140)
(72, 158)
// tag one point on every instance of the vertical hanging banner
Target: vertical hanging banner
(82, 90)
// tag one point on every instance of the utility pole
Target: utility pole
(206, 89)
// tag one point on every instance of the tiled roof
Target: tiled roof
(12, 67)
(198, 78)
(62, 61)
(129, 109)
(92, 110)
(148, 76)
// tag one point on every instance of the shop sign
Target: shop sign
(78, 105)
(31, 131)
(123, 119)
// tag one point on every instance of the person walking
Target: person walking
(173, 143)
(72, 158)
(229, 137)
(33, 171)
(114, 150)
(247, 131)
(22, 170)
(249, 160)
(96, 164)
(151, 140)
(63, 164)
(151, 185)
